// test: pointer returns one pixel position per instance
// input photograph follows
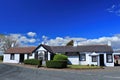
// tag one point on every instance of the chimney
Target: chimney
(12, 45)
(75, 44)
(109, 43)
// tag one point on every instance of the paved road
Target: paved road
(9, 72)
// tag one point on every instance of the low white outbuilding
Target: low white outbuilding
(101, 55)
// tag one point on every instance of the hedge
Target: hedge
(60, 57)
(33, 62)
(1, 58)
(56, 64)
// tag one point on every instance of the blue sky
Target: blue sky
(89, 19)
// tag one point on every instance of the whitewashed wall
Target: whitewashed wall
(48, 56)
(93, 63)
(32, 56)
(98, 62)
(25, 56)
(108, 64)
(74, 60)
(39, 49)
(6, 58)
(87, 61)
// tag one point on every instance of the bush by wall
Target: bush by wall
(60, 57)
(56, 64)
(1, 58)
(33, 62)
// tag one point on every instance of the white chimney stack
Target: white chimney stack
(109, 43)
(75, 44)
(12, 45)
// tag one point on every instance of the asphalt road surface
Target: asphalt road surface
(10, 72)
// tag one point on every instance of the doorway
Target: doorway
(21, 58)
(102, 60)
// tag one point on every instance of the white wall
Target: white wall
(48, 56)
(40, 49)
(108, 64)
(98, 62)
(25, 56)
(6, 58)
(32, 56)
(87, 61)
(74, 60)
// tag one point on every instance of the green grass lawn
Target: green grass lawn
(83, 67)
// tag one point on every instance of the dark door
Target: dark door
(21, 57)
(102, 60)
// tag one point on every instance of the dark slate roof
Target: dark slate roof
(85, 48)
(63, 49)
(20, 50)
(95, 48)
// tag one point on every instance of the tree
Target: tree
(6, 42)
(70, 43)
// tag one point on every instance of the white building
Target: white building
(101, 55)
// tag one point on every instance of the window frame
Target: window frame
(42, 55)
(82, 57)
(12, 56)
(94, 58)
(109, 56)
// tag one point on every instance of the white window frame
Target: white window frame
(82, 57)
(94, 58)
(12, 56)
(109, 58)
(41, 56)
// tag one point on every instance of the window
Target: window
(28, 56)
(82, 57)
(12, 56)
(94, 58)
(41, 55)
(109, 58)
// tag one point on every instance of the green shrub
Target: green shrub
(56, 64)
(33, 62)
(1, 58)
(60, 57)
(92, 65)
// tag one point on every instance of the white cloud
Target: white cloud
(31, 34)
(44, 37)
(62, 41)
(59, 41)
(32, 40)
(23, 39)
(115, 9)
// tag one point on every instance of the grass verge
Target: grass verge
(84, 67)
